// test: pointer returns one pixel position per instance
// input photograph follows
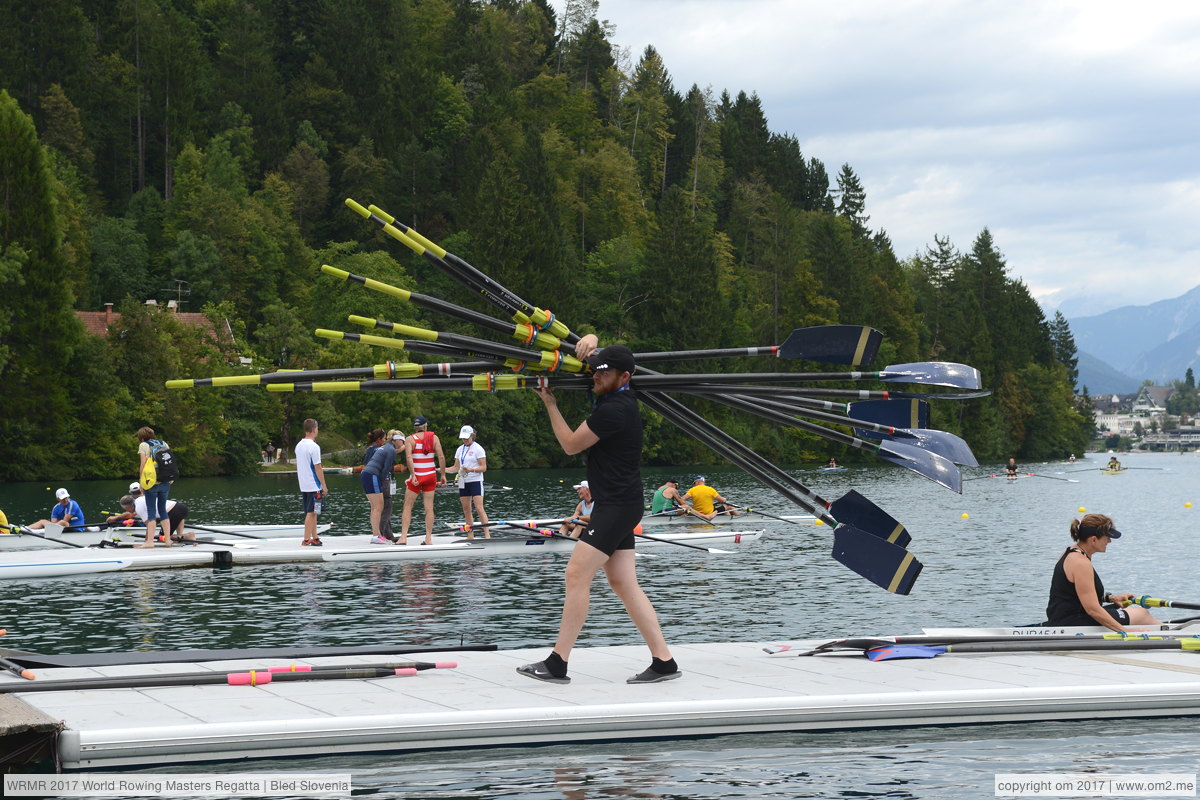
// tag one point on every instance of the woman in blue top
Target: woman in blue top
(372, 484)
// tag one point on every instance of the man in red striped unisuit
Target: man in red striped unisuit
(423, 447)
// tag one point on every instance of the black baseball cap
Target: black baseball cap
(420, 421)
(615, 356)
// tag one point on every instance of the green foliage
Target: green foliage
(201, 151)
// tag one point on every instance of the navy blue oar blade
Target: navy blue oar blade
(833, 344)
(895, 413)
(857, 511)
(937, 468)
(882, 563)
(942, 443)
(935, 373)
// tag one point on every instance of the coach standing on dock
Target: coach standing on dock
(612, 435)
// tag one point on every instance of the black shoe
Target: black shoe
(538, 671)
(650, 676)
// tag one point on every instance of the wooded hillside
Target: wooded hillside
(201, 150)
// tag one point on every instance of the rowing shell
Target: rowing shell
(30, 541)
(232, 552)
(694, 523)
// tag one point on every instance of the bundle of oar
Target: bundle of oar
(891, 425)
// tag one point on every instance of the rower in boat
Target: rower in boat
(1011, 469)
(1076, 591)
(668, 498)
(66, 512)
(706, 501)
(577, 522)
(1114, 465)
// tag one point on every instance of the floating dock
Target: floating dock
(726, 688)
(222, 553)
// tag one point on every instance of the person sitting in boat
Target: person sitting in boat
(1011, 469)
(1114, 465)
(668, 498)
(582, 515)
(1071, 458)
(832, 464)
(1076, 591)
(705, 500)
(66, 512)
(134, 504)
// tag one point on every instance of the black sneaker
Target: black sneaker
(648, 675)
(538, 671)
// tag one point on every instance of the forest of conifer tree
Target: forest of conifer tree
(201, 150)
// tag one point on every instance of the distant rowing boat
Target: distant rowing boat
(238, 552)
(96, 534)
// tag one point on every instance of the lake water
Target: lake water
(990, 567)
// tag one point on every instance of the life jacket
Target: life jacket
(423, 455)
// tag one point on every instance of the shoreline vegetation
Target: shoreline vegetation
(201, 155)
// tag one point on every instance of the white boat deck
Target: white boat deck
(726, 688)
(230, 552)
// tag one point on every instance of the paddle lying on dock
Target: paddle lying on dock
(896, 651)
(248, 678)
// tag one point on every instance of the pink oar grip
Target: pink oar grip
(290, 668)
(446, 665)
(406, 671)
(255, 678)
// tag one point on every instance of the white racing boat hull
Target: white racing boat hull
(232, 552)
(30, 541)
(695, 524)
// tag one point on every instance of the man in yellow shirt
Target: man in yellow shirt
(705, 500)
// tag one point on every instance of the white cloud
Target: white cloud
(1069, 129)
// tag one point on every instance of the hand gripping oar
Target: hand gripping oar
(251, 678)
(1145, 601)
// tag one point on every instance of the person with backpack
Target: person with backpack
(157, 469)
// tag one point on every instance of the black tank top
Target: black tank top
(1064, 607)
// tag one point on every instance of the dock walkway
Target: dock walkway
(726, 688)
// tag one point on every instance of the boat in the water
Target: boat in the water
(749, 518)
(55, 537)
(219, 552)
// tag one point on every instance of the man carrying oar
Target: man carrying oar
(612, 435)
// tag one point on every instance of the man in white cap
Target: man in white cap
(470, 462)
(134, 504)
(66, 512)
(577, 522)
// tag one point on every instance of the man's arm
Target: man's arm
(437, 448)
(571, 441)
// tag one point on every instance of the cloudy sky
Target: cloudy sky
(1070, 129)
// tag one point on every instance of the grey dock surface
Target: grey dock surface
(726, 688)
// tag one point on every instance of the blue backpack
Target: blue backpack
(166, 468)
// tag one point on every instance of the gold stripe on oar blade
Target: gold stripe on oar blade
(895, 534)
(863, 339)
(901, 571)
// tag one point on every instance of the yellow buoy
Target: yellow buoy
(818, 522)
(1187, 505)
(1082, 510)
(965, 515)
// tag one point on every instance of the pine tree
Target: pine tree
(40, 331)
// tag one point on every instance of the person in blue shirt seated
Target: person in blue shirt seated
(66, 512)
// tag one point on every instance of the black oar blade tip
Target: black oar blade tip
(884, 564)
(853, 345)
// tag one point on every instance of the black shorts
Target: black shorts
(471, 489)
(177, 515)
(611, 527)
(1118, 613)
(311, 501)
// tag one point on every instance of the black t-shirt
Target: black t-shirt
(614, 463)
(1064, 607)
